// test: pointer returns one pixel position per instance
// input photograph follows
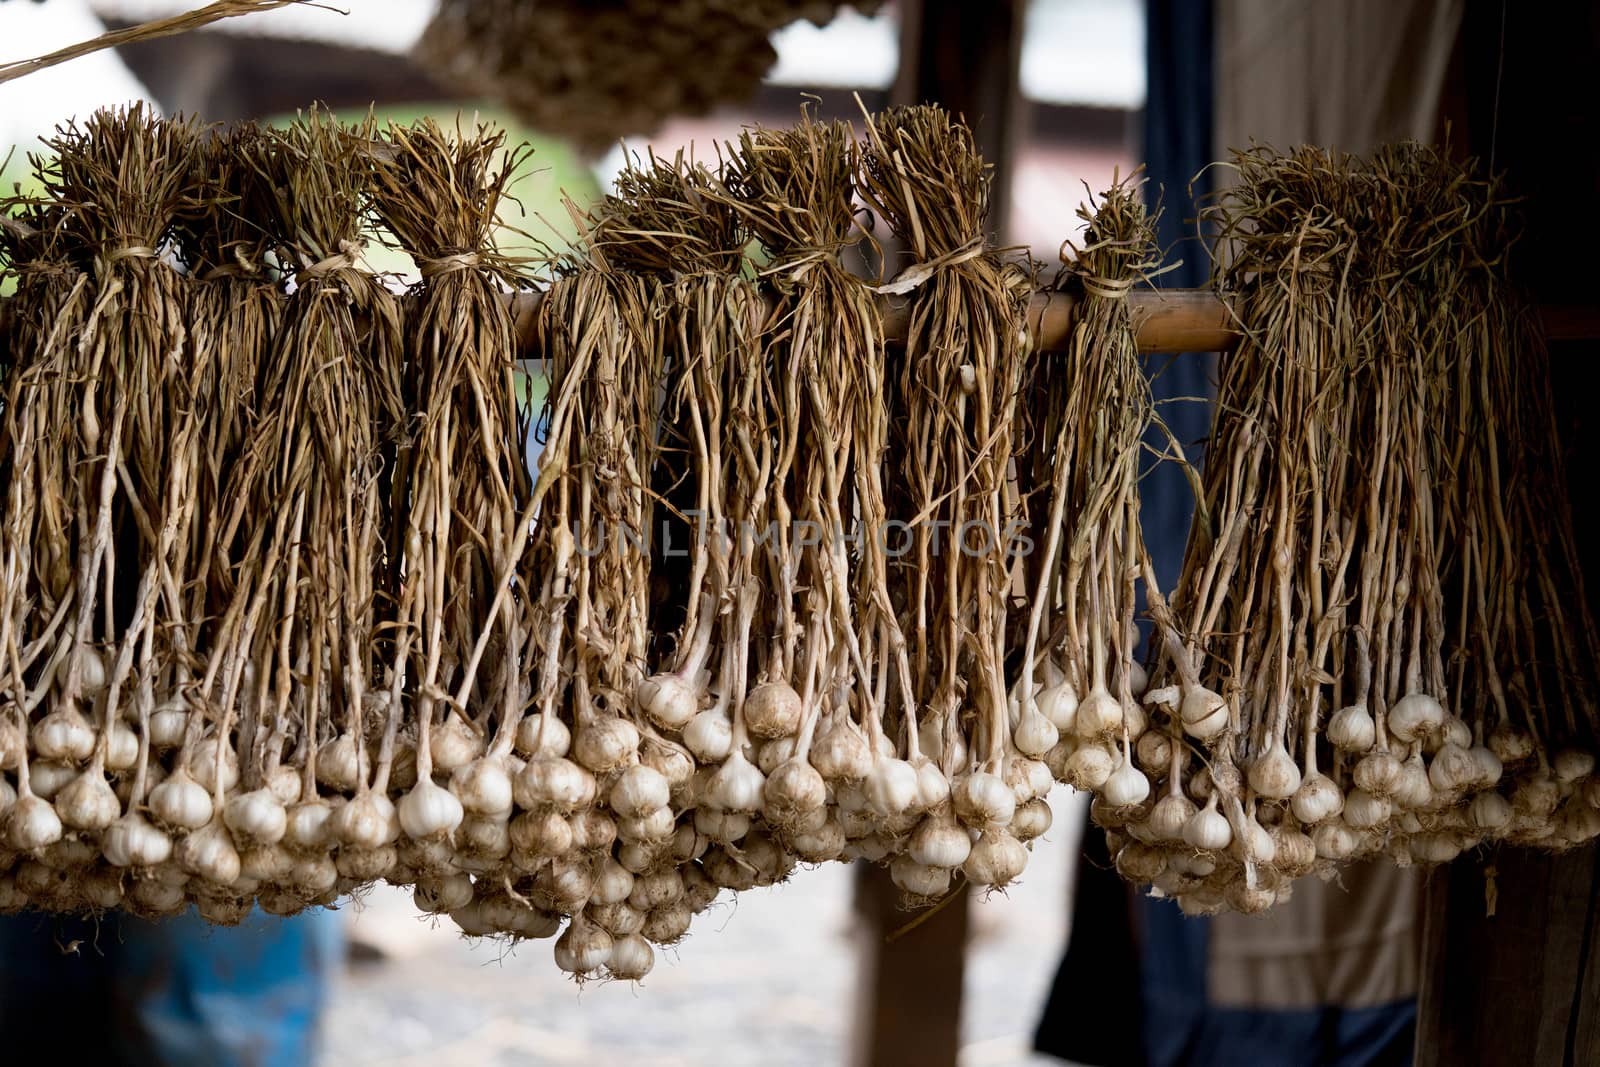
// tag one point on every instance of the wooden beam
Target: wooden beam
(1169, 320)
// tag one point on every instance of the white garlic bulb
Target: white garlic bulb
(939, 841)
(1059, 704)
(257, 817)
(605, 744)
(918, 880)
(180, 802)
(638, 791)
(428, 811)
(668, 700)
(1274, 774)
(1204, 713)
(88, 802)
(709, 736)
(997, 858)
(1208, 829)
(892, 787)
(983, 800)
(1351, 728)
(773, 709)
(1415, 717)
(541, 735)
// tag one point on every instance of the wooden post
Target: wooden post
(1511, 961)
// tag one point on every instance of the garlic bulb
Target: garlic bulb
(209, 853)
(1378, 773)
(933, 788)
(721, 826)
(1412, 790)
(919, 881)
(168, 724)
(1126, 786)
(1415, 717)
(1140, 864)
(1204, 714)
(638, 791)
(1490, 812)
(1511, 744)
(1031, 820)
(1208, 829)
(891, 788)
(709, 736)
(996, 859)
(440, 896)
(1274, 774)
(666, 925)
(453, 744)
(537, 836)
(1351, 728)
(668, 700)
(1059, 704)
(1453, 769)
(31, 823)
(584, 948)
(338, 764)
(737, 785)
(553, 782)
(88, 801)
(770, 755)
(214, 761)
(367, 820)
(1254, 845)
(605, 744)
(180, 802)
(1099, 715)
(631, 959)
(1034, 734)
(1571, 765)
(257, 817)
(653, 827)
(1089, 767)
(1334, 840)
(63, 735)
(773, 709)
(427, 811)
(1489, 766)
(1153, 751)
(541, 735)
(483, 787)
(1169, 816)
(841, 753)
(1363, 810)
(122, 748)
(939, 841)
(793, 789)
(983, 800)
(49, 777)
(1317, 799)
(307, 827)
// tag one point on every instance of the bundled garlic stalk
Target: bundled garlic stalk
(1361, 583)
(958, 427)
(462, 647)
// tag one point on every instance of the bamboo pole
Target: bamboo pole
(1170, 320)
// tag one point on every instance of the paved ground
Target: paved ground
(768, 981)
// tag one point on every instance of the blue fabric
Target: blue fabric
(1182, 1030)
(180, 992)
